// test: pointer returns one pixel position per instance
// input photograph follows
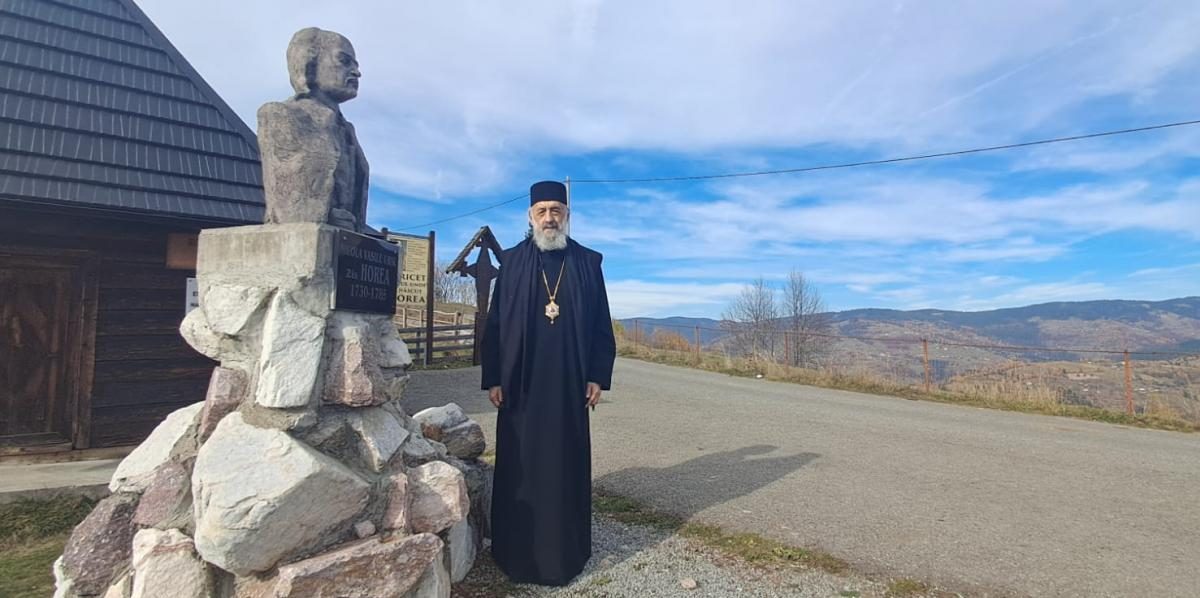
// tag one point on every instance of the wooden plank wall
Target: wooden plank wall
(143, 367)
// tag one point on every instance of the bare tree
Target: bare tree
(805, 320)
(753, 320)
(452, 288)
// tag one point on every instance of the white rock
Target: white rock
(445, 417)
(420, 450)
(465, 441)
(395, 517)
(174, 437)
(291, 355)
(63, 587)
(295, 258)
(688, 583)
(261, 495)
(195, 330)
(353, 376)
(229, 308)
(122, 588)
(371, 568)
(377, 435)
(435, 583)
(394, 385)
(165, 564)
(394, 353)
(381, 435)
(460, 543)
(437, 497)
(364, 529)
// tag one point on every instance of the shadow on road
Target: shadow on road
(689, 487)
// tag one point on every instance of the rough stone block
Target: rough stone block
(435, 583)
(122, 588)
(420, 450)
(293, 340)
(465, 441)
(460, 544)
(353, 377)
(63, 586)
(364, 529)
(297, 258)
(167, 502)
(393, 352)
(370, 568)
(261, 495)
(368, 436)
(99, 547)
(395, 517)
(226, 389)
(478, 476)
(230, 308)
(444, 417)
(200, 336)
(437, 495)
(165, 564)
(174, 438)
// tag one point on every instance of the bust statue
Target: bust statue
(313, 167)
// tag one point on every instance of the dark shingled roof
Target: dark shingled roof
(99, 110)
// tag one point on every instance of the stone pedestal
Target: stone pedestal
(300, 448)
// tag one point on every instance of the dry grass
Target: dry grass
(32, 535)
(986, 393)
(750, 548)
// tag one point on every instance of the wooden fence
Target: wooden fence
(454, 342)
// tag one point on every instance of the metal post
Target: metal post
(697, 337)
(1128, 384)
(430, 275)
(925, 359)
(635, 332)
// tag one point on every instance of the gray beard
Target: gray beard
(550, 240)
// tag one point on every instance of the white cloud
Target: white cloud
(477, 99)
(458, 96)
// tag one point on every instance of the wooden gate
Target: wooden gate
(42, 305)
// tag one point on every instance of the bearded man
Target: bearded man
(548, 352)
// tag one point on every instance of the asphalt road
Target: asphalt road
(974, 500)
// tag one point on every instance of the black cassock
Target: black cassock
(542, 491)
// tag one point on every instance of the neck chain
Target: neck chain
(552, 307)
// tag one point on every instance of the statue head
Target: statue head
(322, 64)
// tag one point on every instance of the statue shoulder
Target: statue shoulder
(301, 112)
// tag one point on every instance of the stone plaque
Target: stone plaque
(366, 274)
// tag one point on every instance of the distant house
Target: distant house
(114, 153)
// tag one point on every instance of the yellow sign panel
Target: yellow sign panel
(414, 279)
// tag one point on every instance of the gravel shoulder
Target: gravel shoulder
(639, 561)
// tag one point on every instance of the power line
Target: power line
(471, 213)
(978, 150)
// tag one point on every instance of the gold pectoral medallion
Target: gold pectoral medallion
(552, 307)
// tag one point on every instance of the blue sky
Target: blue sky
(464, 104)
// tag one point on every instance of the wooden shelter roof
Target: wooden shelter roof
(99, 110)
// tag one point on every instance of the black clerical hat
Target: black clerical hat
(547, 191)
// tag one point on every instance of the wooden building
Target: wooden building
(114, 153)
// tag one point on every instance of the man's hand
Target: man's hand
(593, 394)
(496, 396)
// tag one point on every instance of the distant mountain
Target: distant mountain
(969, 351)
(1171, 325)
